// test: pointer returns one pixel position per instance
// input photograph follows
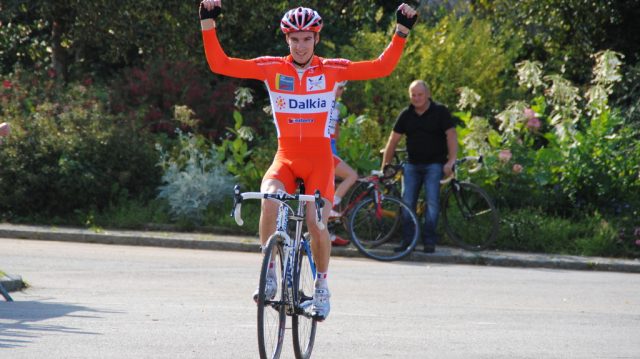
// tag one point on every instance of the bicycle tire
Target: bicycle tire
(376, 235)
(271, 312)
(469, 216)
(303, 323)
(353, 193)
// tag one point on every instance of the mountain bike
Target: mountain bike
(372, 218)
(469, 216)
(295, 270)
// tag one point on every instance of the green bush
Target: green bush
(457, 52)
(66, 153)
(193, 177)
(534, 230)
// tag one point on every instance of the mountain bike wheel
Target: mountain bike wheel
(304, 324)
(375, 231)
(271, 311)
(470, 219)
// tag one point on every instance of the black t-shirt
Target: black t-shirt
(426, 138)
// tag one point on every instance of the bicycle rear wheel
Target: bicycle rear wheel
(375, 230)
(470, 219)
(304, 324)
(271, 311)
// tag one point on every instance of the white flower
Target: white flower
(243, 97)
(530, 74)
(468, 98)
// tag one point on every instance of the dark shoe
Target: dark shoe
(429, 249)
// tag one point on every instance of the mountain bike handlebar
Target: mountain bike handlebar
(282, 197)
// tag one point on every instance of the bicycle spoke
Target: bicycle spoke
(375, 231)
(271, 313)
(304, 324)
(469, 217)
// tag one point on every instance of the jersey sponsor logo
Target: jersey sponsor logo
(302, 104)
(284, 83)
(292, 121)
(280, 103)
(316, 83)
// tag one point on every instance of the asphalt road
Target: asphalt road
(110, 301)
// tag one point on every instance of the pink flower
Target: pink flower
(51, 73)
(4, 129)
(6, 84)
(636, 232)
(533, 124)
(529, 113)
(517, 168)
(637, 242)
(505, 155)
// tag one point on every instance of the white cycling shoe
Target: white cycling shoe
(270, 288)
(321, 304)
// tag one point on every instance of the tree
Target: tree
(564, 33)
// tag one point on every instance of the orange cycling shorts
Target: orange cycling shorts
(336, 161)
(314, 164)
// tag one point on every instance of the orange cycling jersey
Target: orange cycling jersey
(301, 105)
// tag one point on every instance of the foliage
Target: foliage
(239, 159)
(193, 177)
(564, 33)
(63, 143)
(152, 92)
(565, 153)
(457, 52)
(534, 230)
(359, 143)
(75, 37)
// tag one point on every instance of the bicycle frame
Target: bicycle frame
(291, 247)
(373, 189)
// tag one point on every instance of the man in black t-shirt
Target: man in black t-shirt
(432, 146)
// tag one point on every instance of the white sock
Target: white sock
(272, 263)
(336, 200)
(321, 280)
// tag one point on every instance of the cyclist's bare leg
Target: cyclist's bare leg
(269, 212)
(320, 243)
(349, 177)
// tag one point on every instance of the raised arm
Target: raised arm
(384, 65)
(218, 61)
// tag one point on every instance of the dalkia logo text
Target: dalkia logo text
(300, 120)
(308, 103)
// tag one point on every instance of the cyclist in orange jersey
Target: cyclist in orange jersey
(302, 90)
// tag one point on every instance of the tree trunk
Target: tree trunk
(59, 53)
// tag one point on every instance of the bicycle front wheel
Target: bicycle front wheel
(271, 309)
(470, 219)
(304, 324)
(376, 231)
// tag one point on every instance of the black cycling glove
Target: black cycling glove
(209, 14)
(402, 19)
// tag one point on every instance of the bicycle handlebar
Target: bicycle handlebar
(477, 159)
(238, 197)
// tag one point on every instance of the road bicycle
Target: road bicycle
(469, 216)
(372, 217)
(295, 270)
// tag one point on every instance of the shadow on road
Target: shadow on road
(21, 321)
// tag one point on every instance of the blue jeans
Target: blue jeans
(416, 176)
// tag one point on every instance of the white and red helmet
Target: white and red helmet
(301, 19)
